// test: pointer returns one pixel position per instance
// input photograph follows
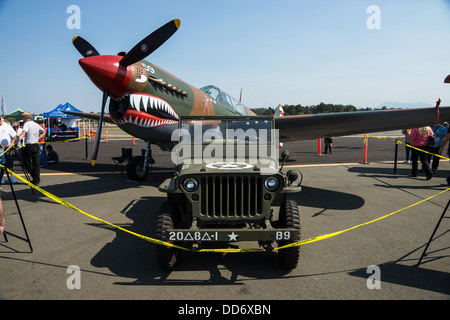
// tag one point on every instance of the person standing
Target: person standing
(19, 143)
(407, 133)
(2, 218)
(31, 134)
(7, 133)
(441, 149)
(42, 148)
(419, 140)
(328, 144)
(439, 133)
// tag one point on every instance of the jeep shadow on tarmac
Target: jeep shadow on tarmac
(225, 188)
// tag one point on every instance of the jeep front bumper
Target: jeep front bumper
(231, 235)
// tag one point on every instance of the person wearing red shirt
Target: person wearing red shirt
(419, 140)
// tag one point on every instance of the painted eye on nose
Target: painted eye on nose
(141, 78)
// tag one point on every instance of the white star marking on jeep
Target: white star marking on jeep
(233, 236)
(229, 165)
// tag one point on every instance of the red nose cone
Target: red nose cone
(106, 73)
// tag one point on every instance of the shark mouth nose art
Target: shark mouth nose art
(142, 110)
(152, 105)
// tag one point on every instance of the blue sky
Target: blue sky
(279, 52)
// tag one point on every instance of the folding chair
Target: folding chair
(127, 154)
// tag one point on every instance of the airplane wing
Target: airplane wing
(314, 126)
(307, 127)
(92, 116)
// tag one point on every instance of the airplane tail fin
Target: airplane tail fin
(279, 112)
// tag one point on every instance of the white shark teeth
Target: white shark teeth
(122, 97)
(144, 123)
(147, 103)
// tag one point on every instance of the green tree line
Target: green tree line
(290, 110)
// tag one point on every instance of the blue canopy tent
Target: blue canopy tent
(59, 122)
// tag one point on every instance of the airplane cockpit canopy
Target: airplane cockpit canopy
(221, 96)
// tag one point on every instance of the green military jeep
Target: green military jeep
(228, 188)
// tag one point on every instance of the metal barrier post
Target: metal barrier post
(396, 154)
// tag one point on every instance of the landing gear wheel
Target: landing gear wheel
(166, 256)
(136, 169)
(289, 218)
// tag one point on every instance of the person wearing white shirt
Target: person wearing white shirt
(31, 134)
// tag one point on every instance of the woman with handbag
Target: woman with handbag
(419, 140)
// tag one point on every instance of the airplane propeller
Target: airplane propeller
(84, 47)
(99, 129)
(140, 51)
(150, 43)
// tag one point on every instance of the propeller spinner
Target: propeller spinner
(110, 73)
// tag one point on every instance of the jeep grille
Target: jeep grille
(231, 197)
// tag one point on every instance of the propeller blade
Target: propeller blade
(150, 43)
(99, 130)
(84, 47)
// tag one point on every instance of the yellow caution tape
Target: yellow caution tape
(226, 250)
(60, 201)
(408, 145)
(330, 235)
(6, 150)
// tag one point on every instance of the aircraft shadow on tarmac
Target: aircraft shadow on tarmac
(327, 199)
(127, 256)
(386, 175)
(130, 257)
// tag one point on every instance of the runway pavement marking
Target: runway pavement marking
(335, 164)
(291, 166)
(68, 173)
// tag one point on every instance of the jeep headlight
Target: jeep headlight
(190, 184)
(271, 184)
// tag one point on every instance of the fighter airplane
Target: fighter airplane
(147, 101)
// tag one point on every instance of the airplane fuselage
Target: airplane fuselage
(146, 101)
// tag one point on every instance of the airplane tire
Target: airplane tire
(166, 256)
(289, 218)
(136, 170)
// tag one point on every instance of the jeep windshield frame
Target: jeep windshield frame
(213, 139)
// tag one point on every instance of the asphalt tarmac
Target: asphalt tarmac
(339, 192)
